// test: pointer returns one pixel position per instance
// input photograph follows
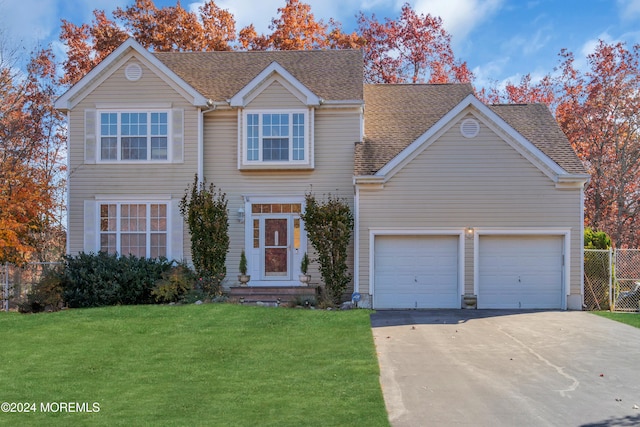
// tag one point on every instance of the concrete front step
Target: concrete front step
(271, 294)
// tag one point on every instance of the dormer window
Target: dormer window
(276, 138)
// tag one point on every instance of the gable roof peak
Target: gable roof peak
(264, 78)
(107, 66)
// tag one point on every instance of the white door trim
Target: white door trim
(566, 251)
(373, 232)
(253, 260)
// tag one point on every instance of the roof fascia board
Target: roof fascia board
(343, 102)
(522, 145)
(265, 78)
(112, 62)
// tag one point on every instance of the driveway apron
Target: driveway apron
(505, 368)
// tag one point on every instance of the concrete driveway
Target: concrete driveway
(504, 368)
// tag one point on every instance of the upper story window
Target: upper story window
(136, 136)
(276, 138)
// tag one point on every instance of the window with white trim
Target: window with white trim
(138, 229)
(276, 137)
(133, 135)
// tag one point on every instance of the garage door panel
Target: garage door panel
(520, 272)
(416, 272)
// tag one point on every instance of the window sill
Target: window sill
(277, 166)
(133, 162)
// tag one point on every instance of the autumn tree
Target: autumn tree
(87, 45)
(166, 29)
(31, 159)
(599, 112)
(411, 49)
(296, 28)
(525, 92)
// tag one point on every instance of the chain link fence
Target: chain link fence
(4, 283)
(612, 279)
(17, 282)
(597, 279)
(626, 290)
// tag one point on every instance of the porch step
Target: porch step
(270, 294)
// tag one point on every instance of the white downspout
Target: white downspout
(200, 170)
(68, 223)
(356, 240)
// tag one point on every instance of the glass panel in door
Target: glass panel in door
(276, 247)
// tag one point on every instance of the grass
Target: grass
(212, 364)
(632, 319)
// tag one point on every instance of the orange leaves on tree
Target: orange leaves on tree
(166, 29)
(219, 27)
(525, 92)
(411, 49)
(599, 110)
(31, 152)
(297, 29)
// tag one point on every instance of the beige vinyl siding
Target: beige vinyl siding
(160, 179)
(457, 183)
(335, 133)
(275, 96)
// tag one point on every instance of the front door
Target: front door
(277, 248)
(277, 243)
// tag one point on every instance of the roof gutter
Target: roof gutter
(572, 181)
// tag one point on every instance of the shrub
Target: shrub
(174, 284)
(594, 239)
(329, 225)
(242, 267)
(46, 295)
(304, 264)
(205, 211)
(94, 280)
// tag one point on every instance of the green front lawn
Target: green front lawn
(632, 319)
(212, 364)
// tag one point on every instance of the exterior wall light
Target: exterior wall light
(468, 232)
(241, 215)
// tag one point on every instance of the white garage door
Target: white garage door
(416, 272)
(520, 272)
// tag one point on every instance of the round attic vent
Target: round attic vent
(133, 72)
(469, 128)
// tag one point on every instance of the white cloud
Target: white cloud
(485, 74)
(529, 45)
(629, 9)
(32, 22)
(28, 22)
(459, 16)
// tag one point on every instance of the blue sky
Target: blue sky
(500, 40)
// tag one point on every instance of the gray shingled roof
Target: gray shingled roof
(330, 74)
(396, 115)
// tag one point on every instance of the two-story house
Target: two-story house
(451, 197)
